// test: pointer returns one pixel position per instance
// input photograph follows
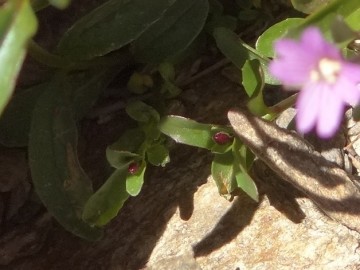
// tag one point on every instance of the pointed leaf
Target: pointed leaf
(238, 52)
(106, 203)
(17, 25)
(254, 85)
(251, 77)
(187, 131)
(222, 172)
(125, 149)
(247, 184)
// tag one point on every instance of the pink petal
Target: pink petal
(291, 68)
(289, 74)
(351, 71)
(314, 42)
(346, 91)
(330, 114)
(308, 107)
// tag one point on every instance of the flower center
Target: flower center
(328, 70)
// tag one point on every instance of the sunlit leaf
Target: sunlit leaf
(325, 15)
(247, 184)
(254, 85)
(17, 25)
(251, 77)
(265, 42)
(173, 32)
(125, 149)
(158, 155)
(135, 181)
(107, 201)
(243, 159)
(187, 131)
(222, 171)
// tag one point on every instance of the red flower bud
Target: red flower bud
(222, 138)
(133, 168)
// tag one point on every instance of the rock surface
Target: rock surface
(245, 235)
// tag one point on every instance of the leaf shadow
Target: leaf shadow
(229, 226)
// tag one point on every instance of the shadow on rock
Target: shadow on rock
(230, 225)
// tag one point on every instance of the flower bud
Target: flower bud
(133, 168)
(222, 138)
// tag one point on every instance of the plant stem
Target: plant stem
(280, 107)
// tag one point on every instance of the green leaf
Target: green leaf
(87, 87)
(238, 52)
(126, 148)
(243, 160)
(119, 159)
(158, 155)
(57, 175)
(265, 43)
(222, 171)
(17, 25)
(187, 131)
(110, 27)
(353, 20)
(173, 32)
(170, 89)
(84, 87)
(60, 4)
(254, 85)
(246, 156)
(106, 203)
(247, 184)
(167, 71)
(251, 77)
(141, 112)
(325, 15)
(309, 6)
(134, 182)
(220, 149)
(16, 119)
(39, 4)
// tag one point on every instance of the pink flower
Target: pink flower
(327, 81)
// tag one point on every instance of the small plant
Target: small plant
(312, 53)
